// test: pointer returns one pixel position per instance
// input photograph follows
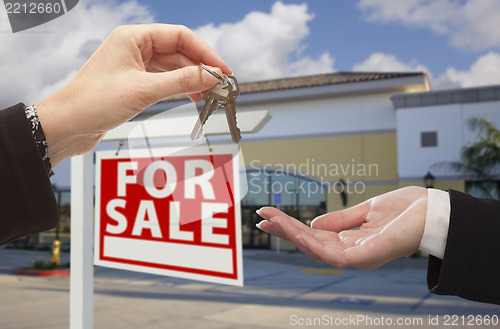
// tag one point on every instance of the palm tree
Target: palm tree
(480, 161)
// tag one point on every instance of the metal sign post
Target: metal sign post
(82, 232)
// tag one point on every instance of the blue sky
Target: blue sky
(338, 27)
(350, 33)
(456, 41)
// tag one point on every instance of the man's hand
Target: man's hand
(391, 225)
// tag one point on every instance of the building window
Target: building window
(298, 196)
(428, 139)
(483, 189)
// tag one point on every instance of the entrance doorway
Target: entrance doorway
(253, 238)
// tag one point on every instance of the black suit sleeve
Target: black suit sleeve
(470, 267)
(27, 202)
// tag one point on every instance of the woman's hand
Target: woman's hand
(135, 67)
(391, 225)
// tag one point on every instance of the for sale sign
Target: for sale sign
(170, 211)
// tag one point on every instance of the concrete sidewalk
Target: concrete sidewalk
(281, 291)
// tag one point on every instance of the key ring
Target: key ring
(215, 74)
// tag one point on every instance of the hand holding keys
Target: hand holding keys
(224, 94)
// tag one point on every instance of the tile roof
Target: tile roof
(314, 81)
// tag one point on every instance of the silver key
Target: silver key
(213, 96)
(230, 108)
(224, 94)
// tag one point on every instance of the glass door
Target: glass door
(253, 238)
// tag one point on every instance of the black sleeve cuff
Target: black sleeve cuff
(27, 202)
(470, 267)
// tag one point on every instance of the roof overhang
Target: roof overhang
(291, 89)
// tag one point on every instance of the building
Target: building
(337, 139)
(432, 129)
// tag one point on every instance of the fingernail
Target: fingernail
(259, 223)
(259, 212)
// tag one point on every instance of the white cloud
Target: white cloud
(38, 62)
(267, 45)
(469, 24)
(309, 66)
(380, 62)
(484, 71)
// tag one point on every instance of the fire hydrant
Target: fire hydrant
(56, 251)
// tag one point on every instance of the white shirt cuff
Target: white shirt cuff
(437, 222)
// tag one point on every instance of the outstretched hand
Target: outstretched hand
(391, 225)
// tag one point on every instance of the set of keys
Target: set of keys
(223, 94)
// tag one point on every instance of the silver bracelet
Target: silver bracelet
(39, 137)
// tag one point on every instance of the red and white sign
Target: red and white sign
(170, 211)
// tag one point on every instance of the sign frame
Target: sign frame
(196, 274)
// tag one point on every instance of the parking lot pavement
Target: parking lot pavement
(281, 291)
